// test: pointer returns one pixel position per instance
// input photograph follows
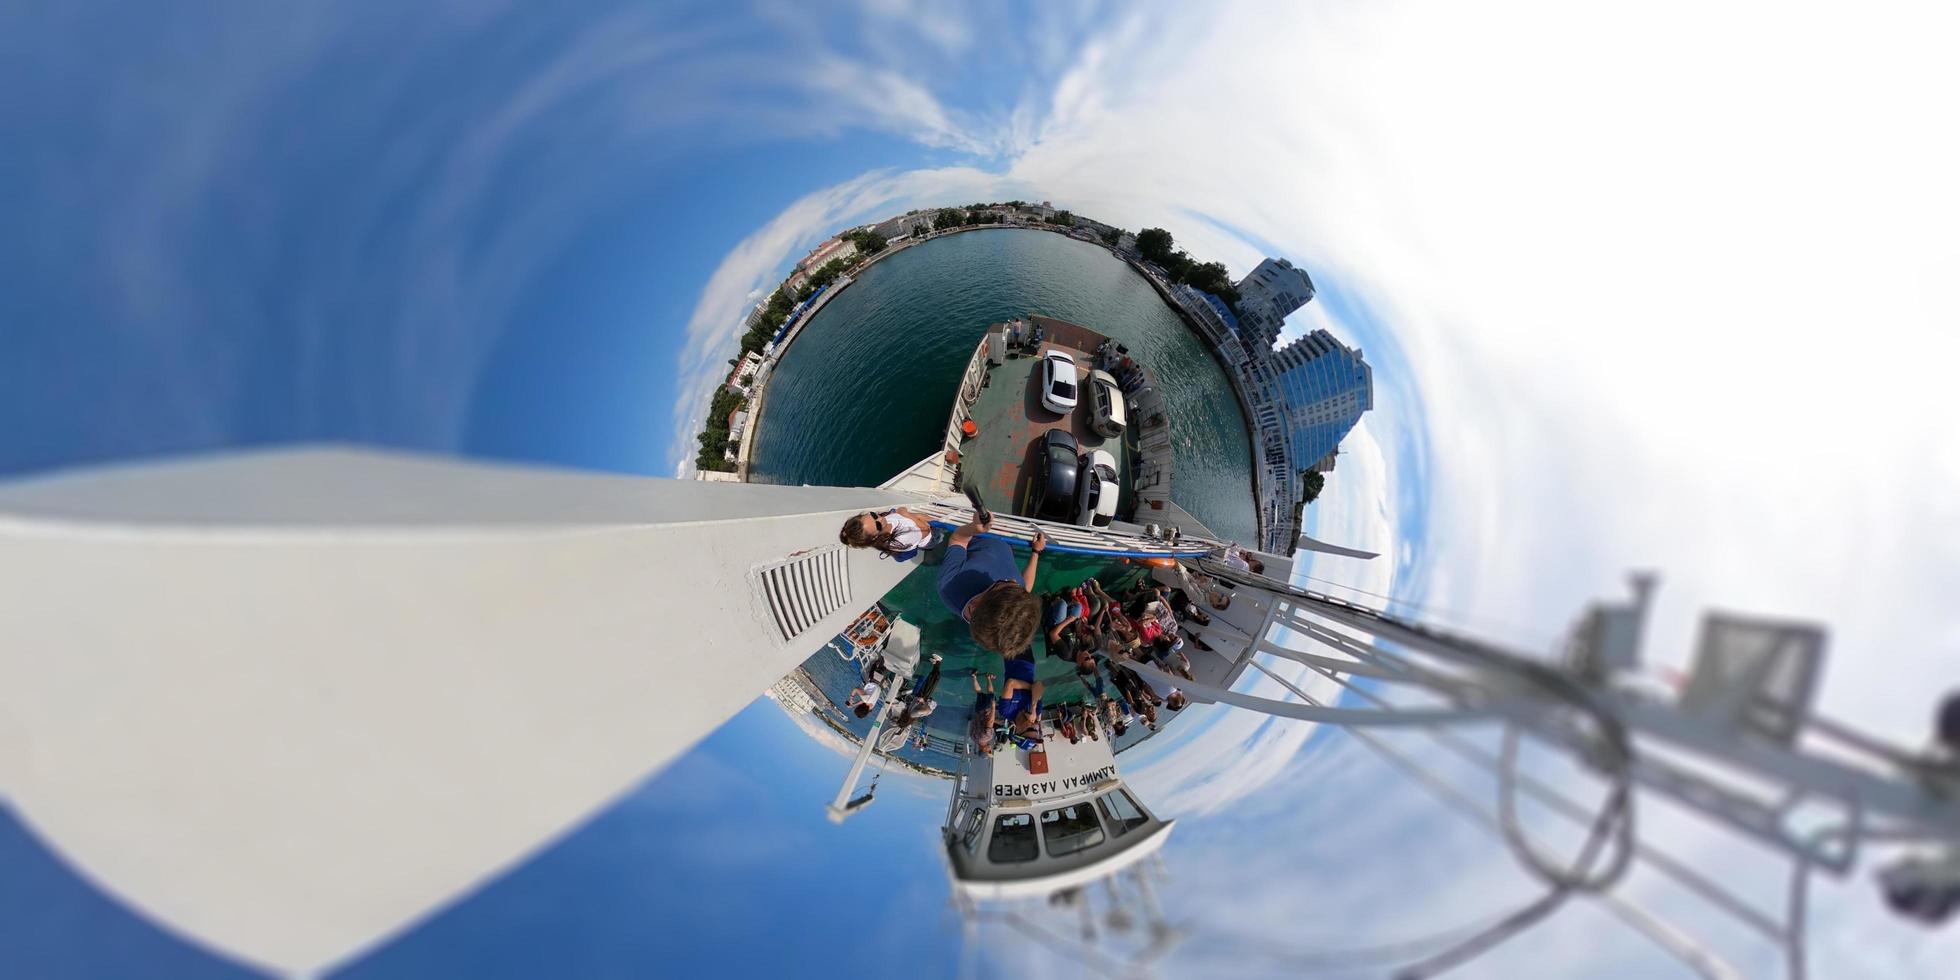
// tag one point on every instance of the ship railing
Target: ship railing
(1072, 538)
(927, 477)
(971, 383)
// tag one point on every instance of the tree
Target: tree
(1177, 264)
(948, 218)
(1063, 218)
(1311, 484)
(1112, 236)
(826, 275)
(1212, 278)
(713, 454)
(868, 241)
(781, 302)
(1154, 244)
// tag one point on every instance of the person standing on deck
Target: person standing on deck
(863, 698)
(980, 731)
(919, 703)
(978, 581)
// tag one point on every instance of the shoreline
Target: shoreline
(744, 458)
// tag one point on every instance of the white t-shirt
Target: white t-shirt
(1235, 559)
(1160, 688)
(920, 709)
(871, 692)
(906, 534)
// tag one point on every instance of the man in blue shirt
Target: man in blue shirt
(978, 580)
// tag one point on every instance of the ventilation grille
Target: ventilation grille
(805, 589)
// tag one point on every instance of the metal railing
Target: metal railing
(971, 382)
(1071, 538)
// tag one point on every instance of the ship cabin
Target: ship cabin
(1011, 833)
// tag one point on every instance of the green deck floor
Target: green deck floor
(916, 598)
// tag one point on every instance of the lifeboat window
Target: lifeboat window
(1013, 839)
(1122, 812)
(1070, 829)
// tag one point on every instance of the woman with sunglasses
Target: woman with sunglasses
(897, 532)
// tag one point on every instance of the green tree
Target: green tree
(948, 218)
(1154, 244)
(868, 241)
(826, 274)
(1210, 277)
(781, 302)
(1177, 264)
(1112, 236)
(1311, 484)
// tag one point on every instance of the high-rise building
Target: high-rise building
(1324, 386)
(1266, 295)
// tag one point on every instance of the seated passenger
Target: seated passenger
(979, 582)
(1086, 671)
(1166, 653)
(1059, 615)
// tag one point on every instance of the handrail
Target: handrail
(976, 371)
(1071, 538)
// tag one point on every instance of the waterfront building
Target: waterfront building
(822, 253)
(793, 693)
(894, 228)
(1267, 294)
(741, 379)
(1324, 386)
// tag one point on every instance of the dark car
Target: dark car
(1054, 479)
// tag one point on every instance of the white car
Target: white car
(1058, 380)
(1097, 489)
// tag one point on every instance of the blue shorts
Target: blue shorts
(1012, 705)
(1061, 610)
(1020, 669)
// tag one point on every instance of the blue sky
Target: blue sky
(1602, 303)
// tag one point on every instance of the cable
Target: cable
(1439, 612)
(1615, 818)
(1615, 755)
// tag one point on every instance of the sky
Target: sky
(1660, 287)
